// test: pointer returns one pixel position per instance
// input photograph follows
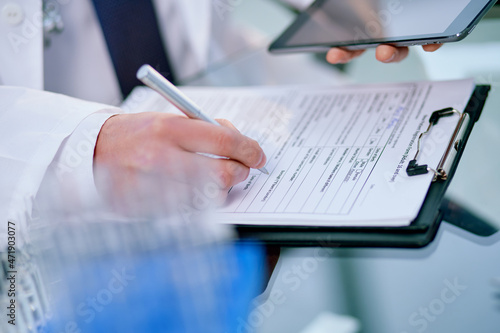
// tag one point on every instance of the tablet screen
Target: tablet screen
(344, 21)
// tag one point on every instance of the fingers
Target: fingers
(384, 53)
(431, 47)
(210, 176)
(389, 53)
(341, 56)
(228, 124)
(195, 168)
(227, 173)
(198, 136)
(213, 178)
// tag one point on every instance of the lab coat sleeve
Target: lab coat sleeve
(68, 184)
(33, 126)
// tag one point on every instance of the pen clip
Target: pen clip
(455, 144)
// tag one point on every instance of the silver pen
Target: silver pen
(154, 80)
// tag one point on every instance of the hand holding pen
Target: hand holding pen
(150, 77)
(146, 162)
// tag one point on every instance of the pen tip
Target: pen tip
(264, 171)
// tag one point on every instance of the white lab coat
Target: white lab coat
(43, 133)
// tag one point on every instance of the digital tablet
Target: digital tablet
(359, 24)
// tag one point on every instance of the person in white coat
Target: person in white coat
(59, 121)
(43, 134)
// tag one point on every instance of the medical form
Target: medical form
(336, 155)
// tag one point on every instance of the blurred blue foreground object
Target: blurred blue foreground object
(112, 278)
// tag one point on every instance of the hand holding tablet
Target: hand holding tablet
(350, 26)
(384, 53)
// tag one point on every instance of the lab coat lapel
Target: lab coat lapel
(21, 58)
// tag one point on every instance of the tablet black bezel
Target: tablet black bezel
(463, 24)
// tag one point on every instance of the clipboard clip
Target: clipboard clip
(454, 146)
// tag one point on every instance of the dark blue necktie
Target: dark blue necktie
(132, 35)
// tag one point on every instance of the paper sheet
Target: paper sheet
(336, 155)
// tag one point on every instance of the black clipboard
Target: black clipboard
(418, 234)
